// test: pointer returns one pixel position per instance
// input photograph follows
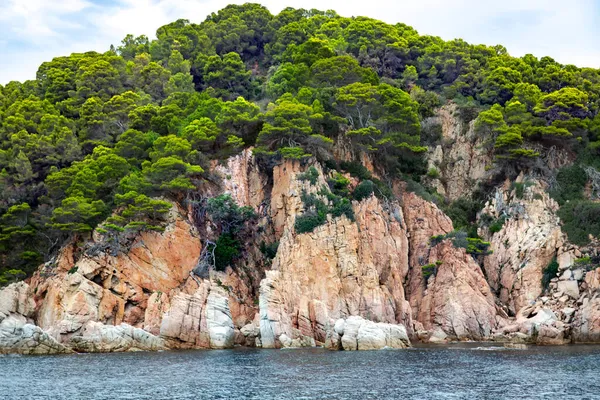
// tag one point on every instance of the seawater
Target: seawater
(465, 371)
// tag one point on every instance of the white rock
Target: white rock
(566, 276)
(96, 337)
(219, 322)
(544, 316)
(578, 274)
(570, 288)
(339, 326)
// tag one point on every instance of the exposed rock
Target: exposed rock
(356, 333)
(542, 328)
(461, 158)
(17, 332)
(99, 338)
(364, 263)
(458, 299)
(570, 288)
(218, 320)
(17, 336)
(523, 248)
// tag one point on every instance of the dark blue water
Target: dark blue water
(454, 372)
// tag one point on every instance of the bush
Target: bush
(269, 250)
(474, 246)
(570, 184)
(550, 272)
(226, 251)
(428, 270)
(308, 221)
(433, 173)
(356, 169)
(227, 215)
(363, 190)
(497, 225)
(339, 185)
(463, 212)
(580, 219)
(310, 175)
(519, 188)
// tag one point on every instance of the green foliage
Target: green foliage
(311, 175)
(226, 251)
(460, 239)
(519, 188)
(580, 218)
(227, 215)
(149, 116)
(318, 206)
(339, 185)
(570, 183)
(269, 250)
(428, 270)
(363, 190)
(463, 213)
(496, 225)
(550, 272)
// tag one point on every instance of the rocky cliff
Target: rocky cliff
(371, 281)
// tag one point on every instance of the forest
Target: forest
(101, 141)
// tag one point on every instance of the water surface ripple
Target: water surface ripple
(452, 372)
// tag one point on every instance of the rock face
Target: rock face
(144, 299)
(356, 333)
(461, 158)
(341, 269)
(99, 338)
(350, 284)
(528, 241)
(586, 321)
(458, 302)
(17, 332)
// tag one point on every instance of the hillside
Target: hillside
(256, 179)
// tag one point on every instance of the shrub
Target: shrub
(461, 240)
(463, 212)
(570, 184)
(356, 169)
(339, 184)
(433, 173)
(308, 221)
(428, 270)
(310, 175)
(497, 225)
(227, 215)
(226, 251)
(519, 188)
(580, 219)
(363, 190)
(550, 272)
(269, 250)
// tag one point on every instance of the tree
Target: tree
(228, 76)
(287, 130)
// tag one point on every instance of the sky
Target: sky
(34, 31)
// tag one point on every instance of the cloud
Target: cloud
(37, 30)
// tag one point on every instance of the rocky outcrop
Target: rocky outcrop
(350, 284)
(99, 338)
(536, 325)
(342, 268)
(356, 333)
(529, 239)
(18, 334)
(458, 303)
(461, 159)
(586, 319)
